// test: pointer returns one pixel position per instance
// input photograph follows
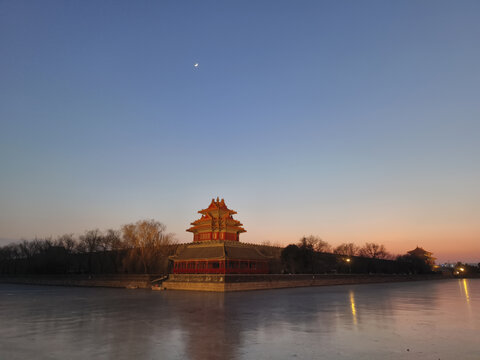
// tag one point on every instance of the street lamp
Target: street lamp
(349, 262)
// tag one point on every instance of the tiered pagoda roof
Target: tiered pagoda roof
(423, 254)
(216, 223)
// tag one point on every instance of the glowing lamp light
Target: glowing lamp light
(348, 260)
(461, 269)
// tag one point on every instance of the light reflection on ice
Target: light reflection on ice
(430, 319)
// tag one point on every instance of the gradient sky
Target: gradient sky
(351, 120)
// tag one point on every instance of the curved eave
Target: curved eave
(208, 211)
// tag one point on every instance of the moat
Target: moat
(413, 320)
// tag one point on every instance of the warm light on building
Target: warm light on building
(423, 254)
(216, 247)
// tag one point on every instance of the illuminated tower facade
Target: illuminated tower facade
(216, 223)
(216, 247)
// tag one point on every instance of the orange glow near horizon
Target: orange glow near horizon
(450, 240)
(447, 245)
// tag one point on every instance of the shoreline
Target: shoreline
(125, 281)
(214, 283)
(228, 283)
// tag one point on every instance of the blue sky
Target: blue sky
(355, 121)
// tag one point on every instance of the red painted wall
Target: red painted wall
(215, 236)
(220, 267)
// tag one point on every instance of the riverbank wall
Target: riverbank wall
(128, 281)
(213, 282)
(227, 283)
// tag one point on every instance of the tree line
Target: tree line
(141, 247)
(145, 246)
(313, 255)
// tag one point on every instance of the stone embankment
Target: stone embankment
(225, 283)
(217, 283)
(113, 280)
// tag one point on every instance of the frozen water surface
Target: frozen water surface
(418, 320)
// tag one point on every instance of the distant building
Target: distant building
(424, 255)
(216, 247)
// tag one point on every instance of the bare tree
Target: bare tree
(147, 240)
(12, 253)
(90, 243)
(112, 245)
(91, 240)
(374, 251)
(40, 246)
(25, 249)
(111, 240)
(315, 243)
(68, 242)
(28, 250)
(348, 249)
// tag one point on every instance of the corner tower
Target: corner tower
(216, 223)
